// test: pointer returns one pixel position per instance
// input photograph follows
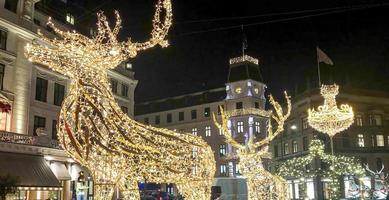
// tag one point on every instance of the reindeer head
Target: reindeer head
(76, 55)
(257, 149)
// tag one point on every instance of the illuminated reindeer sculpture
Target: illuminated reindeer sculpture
(381, 187)
(119, 151)
(261, 184)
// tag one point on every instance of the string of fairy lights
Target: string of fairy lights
(117, 150)
(261, 184)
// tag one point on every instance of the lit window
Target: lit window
(238, 90)
(194, 131)
(257, 127)
(207, 131)
(5, 121)
(223, 169)
(286, 148)
(222, 150)
(220, 131)
(237, 169)
(207, 112)
(358, 120)
(194, 152)
(361, 140)
(240, 127)
(295, 146)
(380, 140)
(70, 18)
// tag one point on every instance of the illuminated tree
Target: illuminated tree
(337, 167)
(261, 184)
(94, 131)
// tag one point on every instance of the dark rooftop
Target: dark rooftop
(198, 98)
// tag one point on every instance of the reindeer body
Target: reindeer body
(117, 150)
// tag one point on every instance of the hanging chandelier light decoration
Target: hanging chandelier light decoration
(329, 118)
(117, 150)
(261, 184)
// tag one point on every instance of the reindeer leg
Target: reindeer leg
(103, 191)
(129, 190)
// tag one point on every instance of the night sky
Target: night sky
(357, 41)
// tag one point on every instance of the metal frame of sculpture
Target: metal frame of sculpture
(261, 184)
(118, 151)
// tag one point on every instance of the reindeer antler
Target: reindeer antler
(226, 132)
(278, 117)
(159, 32)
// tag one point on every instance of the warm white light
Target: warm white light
(293, 127)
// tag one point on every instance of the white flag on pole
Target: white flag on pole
(323, 57)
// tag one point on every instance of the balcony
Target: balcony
(248, 111)
(40, 141)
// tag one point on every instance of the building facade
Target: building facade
(242, 99)
(30, 101)
(367, 139)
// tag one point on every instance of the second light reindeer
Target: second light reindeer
(261, 184)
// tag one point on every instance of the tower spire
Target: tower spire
(244, 41)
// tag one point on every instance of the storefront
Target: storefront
(35, 180)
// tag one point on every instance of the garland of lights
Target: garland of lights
(118, 151)
(261, 184)
(337, 167)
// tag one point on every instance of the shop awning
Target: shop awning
(60, 171)
(32, 171)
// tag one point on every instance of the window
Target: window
(208, 131)
(220, 131)
(257, 127)
(41, 89)
(361, 140)
(379, 163)
(286, 148)
(70, 18)
(169, 118)
(219, 110)
(124, 109)
(194, 131)
(373, 141)
(193, 114)
(194, 152)
(305, 123)
(2, 70)
(223, 169)
(124, 90)
(295, 146)
(380, 140)
(181, 116)
(375, 120)
(256, 105)
(59, 94)
(114, 86)
(358, 120)
(3, 39)
(388, 141)
(11, 5)
(275, 151)
(305, 143)
(237, 169)
(239, 105)
(157, 119)
(39, 122)
(207, 112)
(222, 150)
(240, 127)
(146, 120)
(54, 135)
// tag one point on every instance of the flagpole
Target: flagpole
(243, 45)
(318, 66)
